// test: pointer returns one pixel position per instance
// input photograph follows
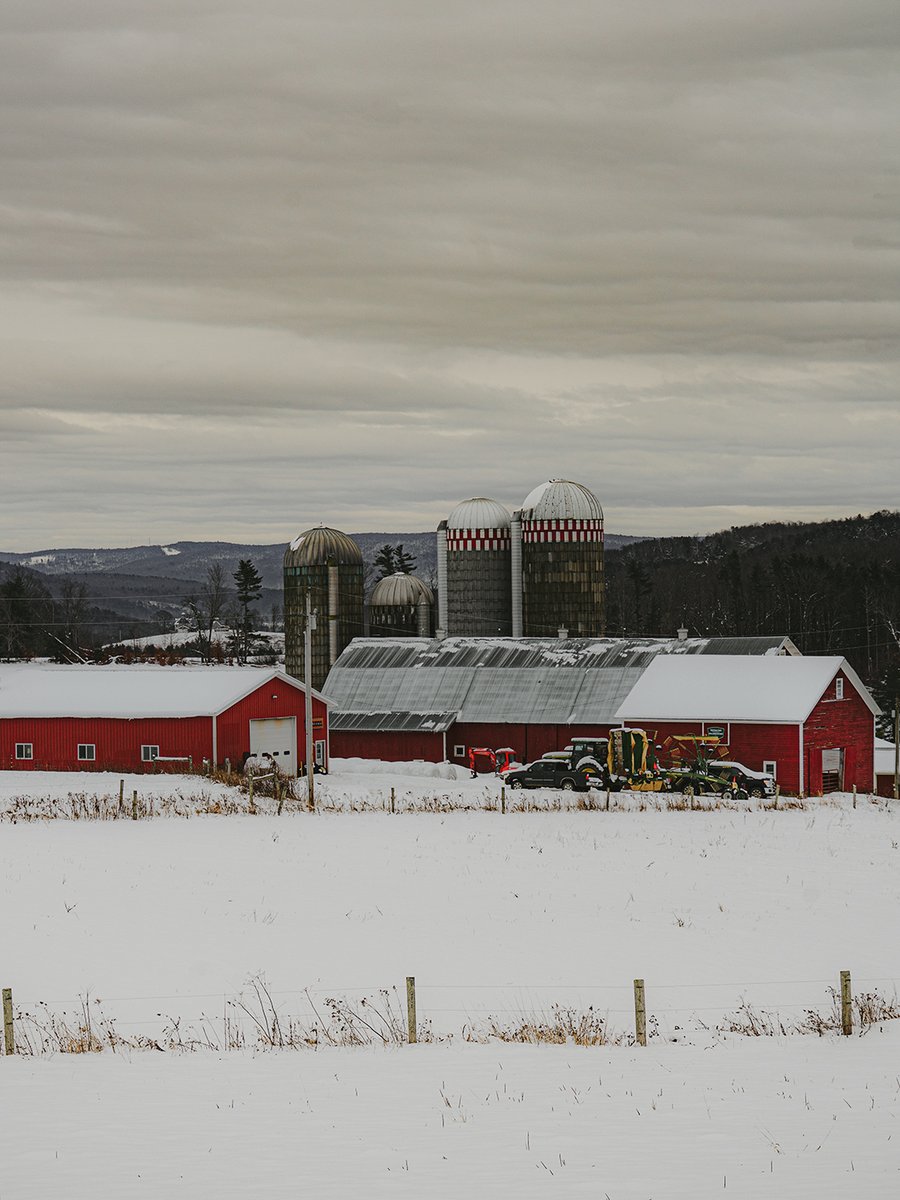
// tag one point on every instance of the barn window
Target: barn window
(86, 752)
(839, 689)
(320, 754)
(771, 768)
(149, 753)
(24, 750)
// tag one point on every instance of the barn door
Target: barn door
(276, 736)
(832, 771)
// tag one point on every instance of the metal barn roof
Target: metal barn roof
(393, 722)
(510, 680)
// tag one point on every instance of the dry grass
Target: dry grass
(868, 1009)
(560, 1027)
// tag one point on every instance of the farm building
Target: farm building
(81, 718)
(810, 722)
(885, 766)
(411, 698)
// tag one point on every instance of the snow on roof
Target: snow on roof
(509, 680)
(783, 689)
(118, 691)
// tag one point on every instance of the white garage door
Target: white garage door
(276, 736)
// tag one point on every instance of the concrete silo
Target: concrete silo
(557, 556)
(401, 606)
(329, 565)
(474, 573)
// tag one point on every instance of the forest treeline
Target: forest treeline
(833, 587)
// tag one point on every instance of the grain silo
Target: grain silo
(557, 555)
(474, 574)
(327, 564)
(401, 606)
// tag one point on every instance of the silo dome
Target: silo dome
(479, 513)
(321, 545)
(561, 500)
(396, 590)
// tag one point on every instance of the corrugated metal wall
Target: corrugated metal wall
(118, 742)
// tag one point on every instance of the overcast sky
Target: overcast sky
(351, 261)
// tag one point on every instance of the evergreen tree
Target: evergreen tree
(248, 585)
(403, 562)
(384, 560)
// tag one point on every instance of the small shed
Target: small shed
(885, 767)
(809, 721)
(147, 718)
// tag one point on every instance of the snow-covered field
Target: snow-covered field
(499, 918)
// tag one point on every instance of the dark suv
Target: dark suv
(548, 772)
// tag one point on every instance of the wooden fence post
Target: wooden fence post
(393, 798)
(503, 799)
(134, 815)
(411, 1008)
(9, 1037)
(846, 1005)
(250, 807)
(777, 791)
(854, 795)
(121, 796)
(640, 1013)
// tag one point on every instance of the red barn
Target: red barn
(809, 721)
(134, 718)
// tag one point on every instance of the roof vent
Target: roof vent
(562, 633)
(682, 634)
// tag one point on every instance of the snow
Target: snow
(169, 551)
(116, 690)
(494, 915)
(733, 687)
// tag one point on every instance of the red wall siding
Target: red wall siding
(847, 725)
(118, 742)
(390, 747)
(233, 725)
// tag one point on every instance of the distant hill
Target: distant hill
(833, 586)
(190, 561)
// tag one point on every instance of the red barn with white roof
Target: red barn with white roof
(810, 721)
(143, 717)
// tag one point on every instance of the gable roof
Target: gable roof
(126, 692)
(511, 680)
(779, 690)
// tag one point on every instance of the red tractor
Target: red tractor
(497, 761)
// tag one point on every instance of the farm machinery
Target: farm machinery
(701, 767)
(496, 761)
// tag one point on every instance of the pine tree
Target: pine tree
(403, 562)
(248, 585)
(383, 562)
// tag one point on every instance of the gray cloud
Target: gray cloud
(354, 261)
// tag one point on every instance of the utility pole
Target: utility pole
(307, 687)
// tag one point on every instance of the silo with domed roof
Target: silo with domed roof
(557, 553)
(474, 572)
(328, 564)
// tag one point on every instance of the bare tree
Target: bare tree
(209, 608)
